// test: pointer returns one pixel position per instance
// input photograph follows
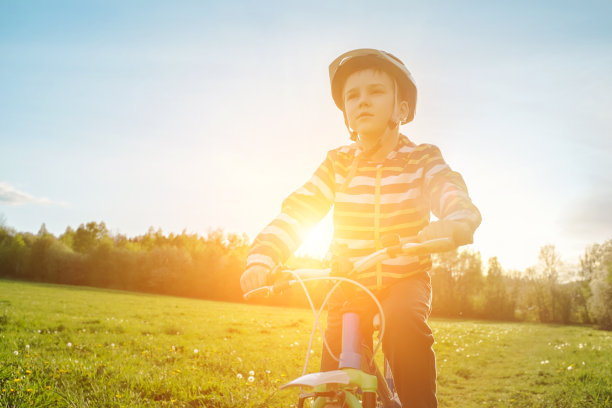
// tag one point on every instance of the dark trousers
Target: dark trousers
(407, 341)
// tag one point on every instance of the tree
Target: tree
(536, 295)
(14, 253)
(67, 238)
(497, 304)
(444, 272)
(550, 262)
(469, 283)
(88, 237)
(456, 278)
(600, 303)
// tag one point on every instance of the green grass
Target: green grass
(80, 347)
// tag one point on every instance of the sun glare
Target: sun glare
(317, 242)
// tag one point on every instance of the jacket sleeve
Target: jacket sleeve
(446, 191)
(300, 212)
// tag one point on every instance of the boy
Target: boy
(381, 184)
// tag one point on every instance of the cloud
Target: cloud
(9, 195)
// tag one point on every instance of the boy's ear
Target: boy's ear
(403, 111)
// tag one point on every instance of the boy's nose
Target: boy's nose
(364, 100)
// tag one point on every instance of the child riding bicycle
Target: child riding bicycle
(381, 185)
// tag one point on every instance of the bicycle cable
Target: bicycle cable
(317, 315)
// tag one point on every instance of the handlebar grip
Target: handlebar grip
(431, 246)
(280, 286)
(463, 236)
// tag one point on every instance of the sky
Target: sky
(196, 115)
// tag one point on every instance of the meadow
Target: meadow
(80, 347)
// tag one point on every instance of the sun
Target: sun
(317, 242)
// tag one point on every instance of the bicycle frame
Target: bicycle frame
(340, 386)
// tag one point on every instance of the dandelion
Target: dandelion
(68, 344)
(29, 390)
(251, 379)
(239, 376)
(17, 380)
(16, 352)
(28, 371)
(251, 372)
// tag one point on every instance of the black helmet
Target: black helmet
(364, 58)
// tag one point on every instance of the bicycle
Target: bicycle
(358, 374)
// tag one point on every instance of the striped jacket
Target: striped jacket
(370, 200)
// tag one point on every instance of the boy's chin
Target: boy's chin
(370, 132)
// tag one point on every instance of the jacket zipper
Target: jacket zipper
(377, 224)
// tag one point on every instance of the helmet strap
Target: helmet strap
(354, 134)
(393, 122)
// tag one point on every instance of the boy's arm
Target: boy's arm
(300, 212)
(449, 201)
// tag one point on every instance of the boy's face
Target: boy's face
(369, 101)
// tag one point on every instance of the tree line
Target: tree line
(210, 266)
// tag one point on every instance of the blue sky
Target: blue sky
(197, 115)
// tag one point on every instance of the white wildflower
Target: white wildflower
(251, 378)
(16, 352)
(68, 344)
(239, 376)
(251, 372)
(196, 351)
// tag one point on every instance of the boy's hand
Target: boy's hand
(460, 232)
(253, 278)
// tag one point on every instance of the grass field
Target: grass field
(80, 347)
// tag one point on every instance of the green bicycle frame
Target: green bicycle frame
(358, 378)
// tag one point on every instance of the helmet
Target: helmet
(364, 58)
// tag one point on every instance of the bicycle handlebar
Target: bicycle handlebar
(410, 248)
(390, 251)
